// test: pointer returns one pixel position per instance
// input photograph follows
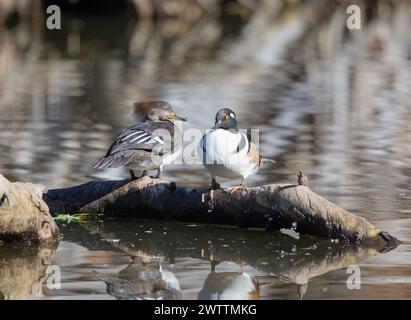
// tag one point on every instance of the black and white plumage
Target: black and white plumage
(227, 152)
(148, 145)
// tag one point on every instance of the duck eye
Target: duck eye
(226, 117)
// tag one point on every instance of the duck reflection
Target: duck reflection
(23, 269)
(230, 286)
(143, 281)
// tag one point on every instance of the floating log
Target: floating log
(24, 216)
(270, 207)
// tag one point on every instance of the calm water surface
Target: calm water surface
(337, 106)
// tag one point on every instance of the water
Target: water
(336, 105)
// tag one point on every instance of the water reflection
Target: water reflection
(23, 269)
(230, 286)
(331, 102)
(156, 249)
(143, 281)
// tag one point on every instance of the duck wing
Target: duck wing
(139, 141)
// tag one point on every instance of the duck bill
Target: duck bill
(173, 116)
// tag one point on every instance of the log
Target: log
(270, 207)
(24, 216)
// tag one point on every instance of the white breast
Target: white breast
(227, 154)
(222, 144)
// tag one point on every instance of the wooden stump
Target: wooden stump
(24, 215)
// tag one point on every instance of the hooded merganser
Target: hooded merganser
(147, 145)
(141, 110)
(227, 152)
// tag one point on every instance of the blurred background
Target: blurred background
(333, 102)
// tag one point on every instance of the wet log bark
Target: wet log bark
(271, 207)
(24, 216)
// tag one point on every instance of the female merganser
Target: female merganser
(147, 145)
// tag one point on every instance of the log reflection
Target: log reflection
(23, 269)
(272, 257)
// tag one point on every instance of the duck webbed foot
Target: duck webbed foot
(235, 188)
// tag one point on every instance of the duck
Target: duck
(149, 144)
(227, 152)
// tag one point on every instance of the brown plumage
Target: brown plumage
(254, 156)
(142, 109)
